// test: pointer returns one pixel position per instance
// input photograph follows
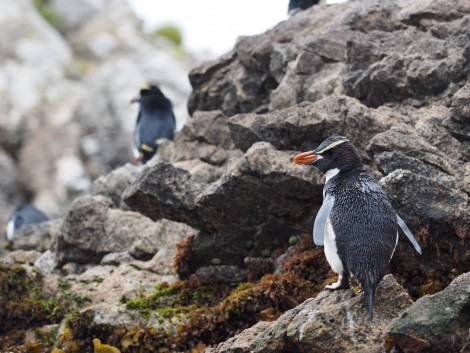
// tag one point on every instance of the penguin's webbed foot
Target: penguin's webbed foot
(342, 283)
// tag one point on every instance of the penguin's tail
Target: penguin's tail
(369, 294)
(369, 283)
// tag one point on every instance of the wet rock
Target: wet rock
(243, 342)
(435, 323)
(332, 322)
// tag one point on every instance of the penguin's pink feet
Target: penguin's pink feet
(341, 283)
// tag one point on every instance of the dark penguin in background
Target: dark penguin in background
(356, 222)
(155, 122)
(22, 216)
(301, 4)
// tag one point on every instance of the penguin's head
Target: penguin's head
(335, 153)
(148, 92)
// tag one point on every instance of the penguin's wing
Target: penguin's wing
(408, 233)
(320, 220)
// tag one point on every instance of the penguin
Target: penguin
(22, 216)
(155, 121)
(356, 223)
(301, 4)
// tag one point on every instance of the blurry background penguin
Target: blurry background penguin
(301, 4)
(305, 4)
(22, 216)
(155, 122)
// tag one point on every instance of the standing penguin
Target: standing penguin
(22, 216)
(155, 122)
(356, 222)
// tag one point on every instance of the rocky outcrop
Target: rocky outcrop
(331, 322)
(334, 322)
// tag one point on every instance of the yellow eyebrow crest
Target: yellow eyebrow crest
(146, 148)
(331, 145)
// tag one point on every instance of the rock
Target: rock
(308, 124)
(107, 285)
(245, 206)
(27, 257)
(318, 326)
(116, 258)
(460, 104)
(113, 184)
(40, 236)
(203, 147)
(332, 322)
(91, 230)
(47, 262)
(243, 342)
(356, 48)
(435, 323)
(424, 184)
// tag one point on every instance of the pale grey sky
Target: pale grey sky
(212, 25)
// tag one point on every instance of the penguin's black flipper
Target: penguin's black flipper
(321, 219)
(408, 233)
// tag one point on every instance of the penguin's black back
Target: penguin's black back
(301, 4)
(24, 215)
(155, 120)
(365, 227)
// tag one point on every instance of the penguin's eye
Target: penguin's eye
(326, 154)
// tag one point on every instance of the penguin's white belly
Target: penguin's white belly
(331, 251)
(10, 230)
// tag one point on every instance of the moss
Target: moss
(47, 336)
(63, 284)
(94, 280)
(170, 32)
(22, 303)
(47, 13)
(81, 330)
(184, 250)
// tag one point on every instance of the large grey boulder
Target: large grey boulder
(435, 323)
(91, 229)
(235, 215)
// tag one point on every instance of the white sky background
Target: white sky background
(212, 25)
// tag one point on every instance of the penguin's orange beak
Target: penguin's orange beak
(306, 158)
